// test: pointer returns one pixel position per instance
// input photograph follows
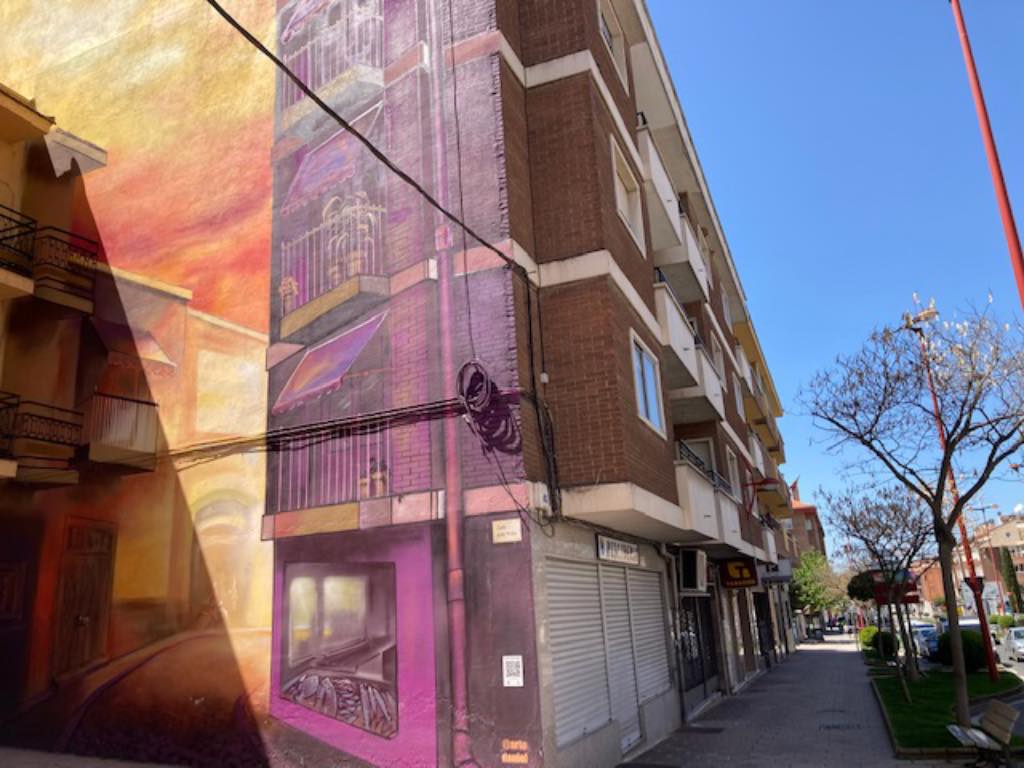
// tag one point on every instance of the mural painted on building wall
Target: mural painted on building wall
(230, 403)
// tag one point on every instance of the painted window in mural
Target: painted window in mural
(339, 655)
(323, 40)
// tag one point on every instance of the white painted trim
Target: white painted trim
(509, 54)
(598, 264)
(576, 64)
(585, 501)
(638, 190)
(228, 325)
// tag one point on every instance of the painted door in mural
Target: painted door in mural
(83, 610)
(621, 663)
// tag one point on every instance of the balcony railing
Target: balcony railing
(17, 235)
(354, 39)
(348, 243)
(351, 465)
(65, 261)
(30, 420)
(8, 414)
(121, 423)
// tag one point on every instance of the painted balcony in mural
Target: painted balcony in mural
(336, 47)
(41, 438)
(17, 236)
(121, 431)
(64, 268)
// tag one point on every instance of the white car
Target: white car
(1015, 643)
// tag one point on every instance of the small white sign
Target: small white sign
(617, 551)
(507, 531)
(512, 671)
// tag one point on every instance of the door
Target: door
(622, 681)
(700, 657)
(83, 608)
(762, 612)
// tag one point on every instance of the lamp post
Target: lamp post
(912, 323)
(994, 166)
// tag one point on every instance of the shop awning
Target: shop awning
(333, 161)
(130, 348)
(324, 366)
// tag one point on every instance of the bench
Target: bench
(991, 733)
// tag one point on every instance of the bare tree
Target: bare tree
(878, 400)
(888, 528)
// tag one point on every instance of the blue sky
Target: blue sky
(841, 146)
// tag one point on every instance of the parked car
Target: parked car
(926, 641)
(1015, 644)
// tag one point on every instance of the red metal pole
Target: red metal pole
(994, 166)
(972, 578)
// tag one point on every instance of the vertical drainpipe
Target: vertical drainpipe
(461, 745)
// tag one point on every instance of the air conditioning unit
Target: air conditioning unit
(693, 571)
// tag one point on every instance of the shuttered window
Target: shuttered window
(576, 635)
(647, 615)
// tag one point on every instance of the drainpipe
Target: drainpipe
(461, 744)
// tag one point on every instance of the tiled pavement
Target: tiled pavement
(815, 710)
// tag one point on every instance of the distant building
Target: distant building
(805, 525)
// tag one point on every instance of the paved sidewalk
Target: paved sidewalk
(815, 709)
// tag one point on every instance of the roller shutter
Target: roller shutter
(619, 648)
(647, 614)
(576, 637)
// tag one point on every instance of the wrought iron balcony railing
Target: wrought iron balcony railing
(30, 420)
(17, 236)
(65, 261)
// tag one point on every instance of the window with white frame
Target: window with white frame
(627, 196)
(614, 39)
(717, 357)
(734, 471)
(737, 390)
(648, 385)
(727, 309)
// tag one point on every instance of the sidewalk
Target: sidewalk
(815, 709)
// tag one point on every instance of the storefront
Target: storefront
(698, 636)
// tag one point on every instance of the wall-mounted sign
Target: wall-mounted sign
(738, 573)
(512, 671)
(617, 551)
(776, 573)
(507, 531)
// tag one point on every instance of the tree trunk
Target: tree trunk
(909, 651)
(963, 707)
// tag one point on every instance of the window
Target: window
(717, 357)
(614, 40)
(727, 309)
(627, 196)
(702, 450)
(737, 391)
(648, 386)
(734, 471)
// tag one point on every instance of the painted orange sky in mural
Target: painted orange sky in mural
(188, 126)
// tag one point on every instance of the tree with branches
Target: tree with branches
(879, 400)
(888, 528)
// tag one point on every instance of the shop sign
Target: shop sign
(776, 573)
(738, 573)
(617, 551)
(507, 531)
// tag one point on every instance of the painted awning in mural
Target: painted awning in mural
(305, 11)
(324, 366)
(335, 160)
(130, 348)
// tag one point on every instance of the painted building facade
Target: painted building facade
(401, 492)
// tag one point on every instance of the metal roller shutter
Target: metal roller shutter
(647, 612)
(619, 647)
(577, 650)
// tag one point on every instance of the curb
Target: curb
(941, 753)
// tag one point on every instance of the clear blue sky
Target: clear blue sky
(841, 146)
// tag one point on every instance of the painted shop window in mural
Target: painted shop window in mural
(323, 40)
(340, 653)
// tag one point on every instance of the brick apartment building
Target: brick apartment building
(805, 524)
(521, 500)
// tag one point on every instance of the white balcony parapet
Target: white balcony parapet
(708, 388)
(729, 519)
(662, 200)
(697, 500)
(676, 335)
(685, 265)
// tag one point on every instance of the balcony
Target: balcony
(64, 268)
(336, 268)
(41, 439)
(661, 197)
(695, 484)
(685, 265)
(17, 234)
(771, 551)
(704, 401)
(120, 431)
(729, 519)
(676, 336)
(342, 60)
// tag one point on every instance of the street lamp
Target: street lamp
(913, 323)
